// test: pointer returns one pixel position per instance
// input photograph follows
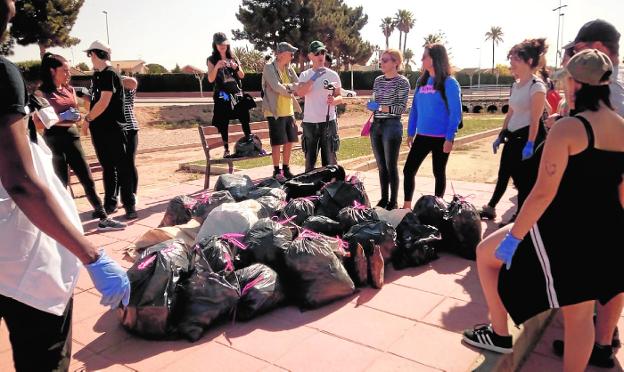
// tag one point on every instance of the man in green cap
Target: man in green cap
(321, 88)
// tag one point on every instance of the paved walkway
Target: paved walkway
(412, 324)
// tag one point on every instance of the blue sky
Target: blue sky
(170, 32)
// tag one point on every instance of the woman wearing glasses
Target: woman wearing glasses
(434, 117)
(389, 102)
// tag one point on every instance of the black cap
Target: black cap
(219, 38)
(597, 30)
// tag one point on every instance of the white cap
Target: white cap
(99, 45)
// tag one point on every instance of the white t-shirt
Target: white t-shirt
(315, 110)
(520, 102)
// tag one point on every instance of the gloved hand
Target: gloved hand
(224, 96)
(373, 106)
(318, 73)
(506, 249)
(70, 115)
(110, 280)
(527, 151)
(495, 144)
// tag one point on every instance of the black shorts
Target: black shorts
(282, 130)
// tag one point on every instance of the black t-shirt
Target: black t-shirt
(13, 93)
(227, 78)
(108, 80)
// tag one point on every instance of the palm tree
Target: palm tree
(387, 27)
(408, 55)
(437, 38)
(404, 20)
(496, 35)
(409, 24)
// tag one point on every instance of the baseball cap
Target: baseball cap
(317, 46)
(589, 66)
(99, 45)
(597, 30)
(220, 38)
(285, 47)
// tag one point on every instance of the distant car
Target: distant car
(347, 93)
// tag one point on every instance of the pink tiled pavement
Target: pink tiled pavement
(412, 324)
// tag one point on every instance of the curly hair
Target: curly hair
(531, 51)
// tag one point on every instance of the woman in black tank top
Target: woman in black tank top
(563, 258)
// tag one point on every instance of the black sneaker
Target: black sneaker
(382, 204)
(131, 214)
(110, 209)
(601, 356)
(99, 214)
(287, 173)
(484, 337)
(487, 212)
(392, 205)
(226, 154)
(109, 224)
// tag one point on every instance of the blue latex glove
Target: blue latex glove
(224, 96)
(373, 106)
(527, 151)
(110, 280)
(495, 144)
(70, 115)
(318, 73)
(506, 249)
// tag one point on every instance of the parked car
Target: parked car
(347, 93)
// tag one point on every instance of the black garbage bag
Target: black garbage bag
(155, 283)
(431, 210)
(179, 211)
(349, 216)
(269, 182)
(465, 232)
(238, 185)
(298, 210)
(208, 200)
(372, 232)
(207, 297)
(266, 242)
(270, 206)
(318, 276)
(308, 184)
(415, 243)
(323, 225)
(261, 291)
(267, 191)
(338, 195)
(246, 148)
(220, 253)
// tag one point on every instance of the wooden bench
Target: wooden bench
(211, 139)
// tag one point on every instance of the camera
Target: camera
(228, 64)
(329, 86)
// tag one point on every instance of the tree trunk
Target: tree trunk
(405, 42)
(400, 39)
(387, 42)
(492, 55)
(42, 50)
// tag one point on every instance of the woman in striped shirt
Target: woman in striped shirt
(131, 128)
(389, 102)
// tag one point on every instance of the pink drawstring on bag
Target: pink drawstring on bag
(365, 132)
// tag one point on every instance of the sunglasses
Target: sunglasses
(386, 60)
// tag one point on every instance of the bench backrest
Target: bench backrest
(211, 138)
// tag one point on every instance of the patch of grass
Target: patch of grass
(177, 125)
(360, 146)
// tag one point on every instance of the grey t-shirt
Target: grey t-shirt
(617, 91)
(520, 102)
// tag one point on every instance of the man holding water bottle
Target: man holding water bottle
(321, 88)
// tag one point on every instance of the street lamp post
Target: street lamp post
(107, 35)
(479, 72)
(559, 15)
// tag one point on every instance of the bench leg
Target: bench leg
(231, 167)
(207, 176)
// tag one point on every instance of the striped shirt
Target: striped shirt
(392, 93)
(131, 121)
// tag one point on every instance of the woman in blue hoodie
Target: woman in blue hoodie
(435, 115)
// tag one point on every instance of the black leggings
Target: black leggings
(67, 151)
(132, 137)
(523, 173)
(223, 113)
(421, 147)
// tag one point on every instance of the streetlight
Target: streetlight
(107, 36)
(479, 71)
(558, 9)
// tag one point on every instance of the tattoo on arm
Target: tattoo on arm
(551, 169)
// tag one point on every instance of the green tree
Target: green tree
(387, 27)
(503, 70)
(82, 66)
(6, 44)
(436, 38)
(405, 22)
(155, 68)
(176, 70)
(407, 56)
(496, 35)
(251, 60)
(45, 23)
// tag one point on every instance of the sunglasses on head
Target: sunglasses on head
(320, 52)
(386, 60)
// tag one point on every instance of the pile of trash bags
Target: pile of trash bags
(244, 249)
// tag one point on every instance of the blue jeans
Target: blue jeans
(386, 136)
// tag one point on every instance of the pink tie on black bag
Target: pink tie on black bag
(367, 127)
